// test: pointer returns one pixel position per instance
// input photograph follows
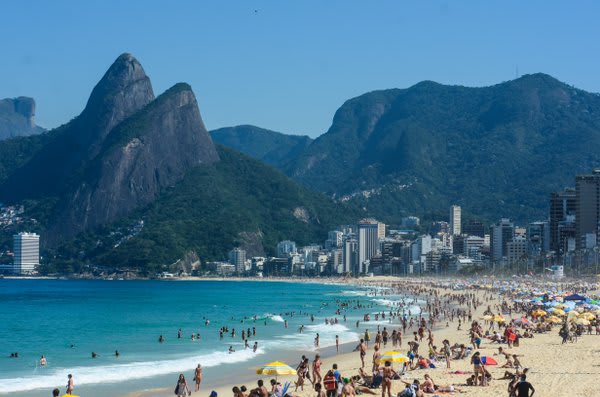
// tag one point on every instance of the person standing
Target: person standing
(182, 389)
(337, 343)
(198, 376)
(523, 387)
(70, 384)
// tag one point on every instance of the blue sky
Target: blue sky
(289, 65)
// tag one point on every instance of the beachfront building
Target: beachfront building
(501, 234)
(350, 257)
(516, 251)
(26, 248)
(237, 258)
(538, 238)
(368, 242)
(562, 219)
(286, 248)
(455, 220)
(587, 209)
(335, 238)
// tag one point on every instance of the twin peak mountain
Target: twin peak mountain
(123, 149)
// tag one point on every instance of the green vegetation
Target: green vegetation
(15, 152)
(237, 201)
(268, 146)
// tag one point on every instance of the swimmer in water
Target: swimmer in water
(43, 361)
(117, 354)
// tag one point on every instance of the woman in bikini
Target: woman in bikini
(316, 370)
(388, 375)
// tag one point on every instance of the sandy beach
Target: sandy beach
(555, 369)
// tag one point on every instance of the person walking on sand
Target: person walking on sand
(70, 384)
(362, 348)
(181, 388)
(316, 370)
(198, 376)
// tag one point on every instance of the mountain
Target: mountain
(17, 118)
(268, 146)
(124, 90)
(236, 201)
(132, 159)
(497, 151)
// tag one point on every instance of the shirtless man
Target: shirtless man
(262, 389)
(388, 375)
(198, 376)
(362, 348)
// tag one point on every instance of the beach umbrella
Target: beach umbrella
(393, 357)
(587, 316)
(498, 318)
(582, 321)
(276, 368)
(539, 313)
(553, 319)
(487, 360)
(559, 312)
(487, 317)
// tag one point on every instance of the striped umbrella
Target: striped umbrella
(393, 357)
(276, 368)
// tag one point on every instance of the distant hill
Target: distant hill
(17, 118)
(269, 146)
(131, 157)
(497, 151)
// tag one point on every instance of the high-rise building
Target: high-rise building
(286, 248)
(562, 216)
(538, 238)
(368, 242)
(334, 239)
(474, 228)
(587, 208)
(26, 247)
(350, 257)
(501, 234)
(455, 220)
(237, 258)
(516, 250)
(380, 230)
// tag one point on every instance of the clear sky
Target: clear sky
(288, 65)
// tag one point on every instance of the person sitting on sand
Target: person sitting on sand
(428, 386)
(509, 363)
(348, 389)
(412, 389)
(361, 388)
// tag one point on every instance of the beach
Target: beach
(549, 362)
(553, 368)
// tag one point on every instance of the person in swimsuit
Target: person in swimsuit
(198, 376)
(362, 348)
(428, 386)
(70, 384)
(316, 370)
(181, 389)
(478, 367)
(388, 375)
(43, 361)
(376, 357)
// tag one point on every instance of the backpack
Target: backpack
(330, 383)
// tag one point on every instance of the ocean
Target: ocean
(67, 320)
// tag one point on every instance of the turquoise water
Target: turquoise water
(66, 320)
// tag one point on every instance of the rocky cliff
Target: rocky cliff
(122, 91)
(17, 118)
(148, 152)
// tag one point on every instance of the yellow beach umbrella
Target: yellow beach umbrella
(498, 318)
(582, 321)
(559, 312)
(393, 357)
(276, 368)
(587, 316)
(487, 317)
(553, 319)
(539, 313)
